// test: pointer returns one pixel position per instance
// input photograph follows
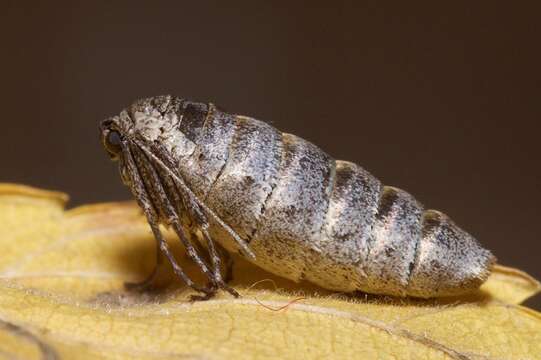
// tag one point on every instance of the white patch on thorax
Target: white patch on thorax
(164, 129)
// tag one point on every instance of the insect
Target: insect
(282, 203)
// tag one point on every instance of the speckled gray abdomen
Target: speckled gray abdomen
(309, 217)
(283, 203)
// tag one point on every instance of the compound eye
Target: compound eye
(113, 142)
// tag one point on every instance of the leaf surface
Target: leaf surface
(62, 296)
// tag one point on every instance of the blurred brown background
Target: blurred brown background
(441, 100)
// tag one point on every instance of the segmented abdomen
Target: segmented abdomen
(308, 216)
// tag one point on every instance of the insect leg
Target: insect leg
(194, 199)
(173, 218)
(202, 221)
(177, 269)
(228, 263)
(216, 262)
(215, 251)
(182, 205)
(143, 199)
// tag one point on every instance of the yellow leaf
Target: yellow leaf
(62, 296)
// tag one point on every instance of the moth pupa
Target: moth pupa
(284, 204)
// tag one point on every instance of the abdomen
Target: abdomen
(309, 217)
